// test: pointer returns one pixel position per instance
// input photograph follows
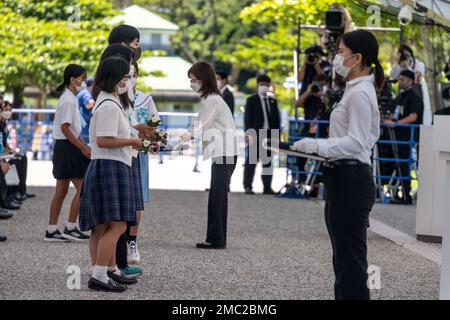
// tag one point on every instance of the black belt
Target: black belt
(344, 162)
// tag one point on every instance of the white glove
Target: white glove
(186, 137)
(306, 145)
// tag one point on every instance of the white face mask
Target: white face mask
(447, 103)
(263, 90)
(219, 84)
(195, 86)
(6, 115)
(338, 65)
(122, 90)
(133, 82)
(130, 87)
(81, 86)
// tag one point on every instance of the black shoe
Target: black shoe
(15, 202)
(29, 195)
(121, 279)
(3, 238)
(75, 234)
(9, 205)
(111, 286)
(249, 191)
(206, 245)
(269, 191)
(55, 237)
(20, 197)
(4, 215)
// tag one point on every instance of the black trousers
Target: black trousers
(253, 156)
(22, 167)
(221, 171)
(404, 152)
(350, 195)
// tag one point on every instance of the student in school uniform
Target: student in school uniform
(144, 109)
(216, 127)
(349, 185)
(70, 155)
(107, 201)
(120, 50)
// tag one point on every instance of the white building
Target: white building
(171, 92)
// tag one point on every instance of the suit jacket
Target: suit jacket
(229, 99)
(254, 116)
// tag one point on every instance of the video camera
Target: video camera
(386, 98)
(335, 26)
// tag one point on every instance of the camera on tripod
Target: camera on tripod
(386, 99)
(334, 27)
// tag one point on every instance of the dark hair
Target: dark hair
(118, 50)
(408, 73)
(405, 47)
(123, 33)
(5, 104)
(263, 78)
(365, 43)
(222, 75)
(115, 50)
(205, 73)
(71, 71)
(109, 73)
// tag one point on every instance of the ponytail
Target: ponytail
(379, 75)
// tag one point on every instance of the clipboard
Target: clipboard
(7, 156)
(287, 148)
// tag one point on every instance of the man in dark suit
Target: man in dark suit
(225, 92)
(262, 118)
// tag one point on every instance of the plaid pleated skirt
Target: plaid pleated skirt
(137, 184)
(107, 194)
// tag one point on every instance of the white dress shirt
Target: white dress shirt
(265, 102)
(67, 111)
(354, 123)
(109, 120)
(216, 127)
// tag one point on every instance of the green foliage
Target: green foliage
(39, 38)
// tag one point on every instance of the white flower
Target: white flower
(146, 143)
(155, 118)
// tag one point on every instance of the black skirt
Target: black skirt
(68, 161)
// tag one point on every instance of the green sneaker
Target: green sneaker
(131, 272)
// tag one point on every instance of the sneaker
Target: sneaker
(75, 234)
(133, 253)
(122, 279)
(55, 237)
(131, 272)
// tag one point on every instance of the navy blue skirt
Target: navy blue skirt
(107, 194)
(137, 184)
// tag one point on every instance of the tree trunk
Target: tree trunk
(17, 96)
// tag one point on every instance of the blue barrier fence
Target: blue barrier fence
(299, 129)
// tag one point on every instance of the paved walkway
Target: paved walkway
(277, 249)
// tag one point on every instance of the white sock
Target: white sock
(115, 270)
(52, 228)
(100, 274)
(71, 225)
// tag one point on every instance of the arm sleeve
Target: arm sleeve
(107, 122)
(204, 119)
(247, 115)
(360, 117)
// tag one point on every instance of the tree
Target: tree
(39, 38)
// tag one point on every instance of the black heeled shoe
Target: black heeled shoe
(206, 245)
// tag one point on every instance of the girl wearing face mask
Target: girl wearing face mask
(143, 109)
(107, 202)
(216, 127)
(350, 189)
(70, 155)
